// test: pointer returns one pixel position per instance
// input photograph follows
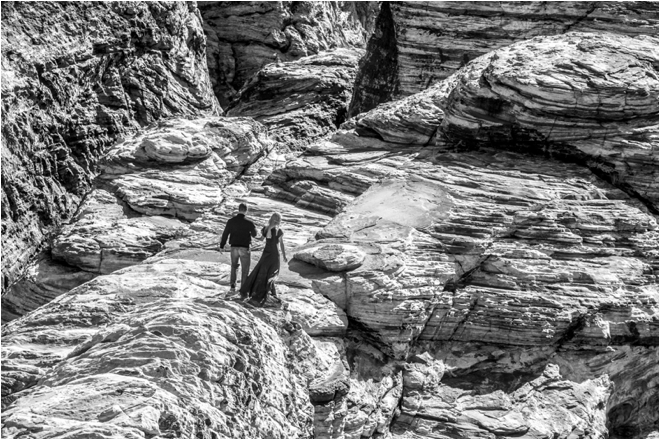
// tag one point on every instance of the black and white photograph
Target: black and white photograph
(329, 219)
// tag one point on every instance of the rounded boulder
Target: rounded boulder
(334, 257)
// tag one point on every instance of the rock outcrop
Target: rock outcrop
(550, 96)
(75, 77)
(541, 255)
(149, 188)
(244, 37)
(303, 100)
(420, 43)
(443, 282)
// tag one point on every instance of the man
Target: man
(240, 232)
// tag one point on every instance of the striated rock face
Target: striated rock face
(44, 281)
(183, 167)
(557, 95)
(301, 101)
(244, 37)
(525, 98)
(74, 78)
(419, 43)
(527, 254)
(446, 280)
(150, 187)
(234, 376)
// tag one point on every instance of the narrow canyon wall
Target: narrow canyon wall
(75, 77)
(417, 44)
(243, 37)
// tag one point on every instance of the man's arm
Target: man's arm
(253, 232)
(225, 236)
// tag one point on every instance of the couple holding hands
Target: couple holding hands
(239, 230)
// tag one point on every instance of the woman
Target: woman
(262, 279)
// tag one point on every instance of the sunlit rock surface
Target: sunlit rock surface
(303, 100)
(417, 44)
(432, 289)
(243, 37)
(151, 185)
(548, 95)
(75, 77)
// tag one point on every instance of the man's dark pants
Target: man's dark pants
(242, 255)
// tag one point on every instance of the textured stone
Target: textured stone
(149, 173)
(501, 293)
(317, 315)
(419, 43)
(75, 77)
(333, 257)
(524, 96)
(102, 246)
(232, 386)
(244, 37)
(501, 381)
(303, 100)
(545, 407)
(44, 280)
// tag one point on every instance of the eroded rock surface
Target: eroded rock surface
(551, 96)
(244, 37)
(75, 77)
(419, 43)
(151, 185)
(433, 290)
(303, 100)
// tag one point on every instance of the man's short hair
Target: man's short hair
(242, 207)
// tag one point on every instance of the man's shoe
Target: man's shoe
(232, 289)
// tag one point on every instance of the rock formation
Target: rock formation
(460, 267)
(303, 100)
(75, 77)
(420, 43)
(244, 37)
(171, 172)
(550, 95)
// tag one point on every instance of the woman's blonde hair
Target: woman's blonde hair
(274, 221)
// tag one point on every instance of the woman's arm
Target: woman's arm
(283, 250)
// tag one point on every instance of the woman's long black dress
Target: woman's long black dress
(262, 279)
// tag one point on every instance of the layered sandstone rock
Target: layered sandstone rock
(484, 246)
(550, 96)
(419, 43)
(244, 37)
(240, 375)
(558, 95)
(433, 290)
(155, 182)
(74, 78)
(44, 281)
(301, 101)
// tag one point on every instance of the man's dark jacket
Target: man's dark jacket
(240, 232)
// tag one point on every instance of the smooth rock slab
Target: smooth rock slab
(334, 257)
